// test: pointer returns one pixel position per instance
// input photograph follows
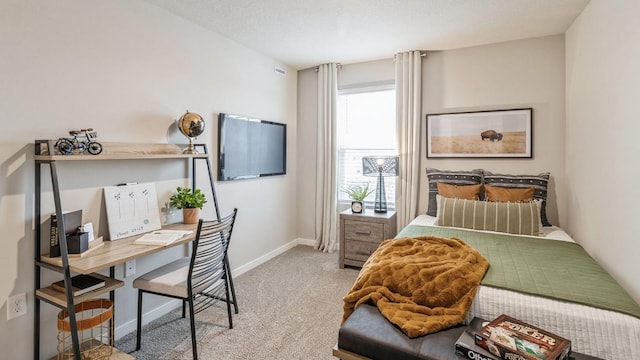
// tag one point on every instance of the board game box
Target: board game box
(512, 339)
(466, 347)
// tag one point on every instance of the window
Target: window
(366, 127)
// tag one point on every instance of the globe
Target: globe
(191, 125)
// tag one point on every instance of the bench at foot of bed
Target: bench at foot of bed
(367, 335)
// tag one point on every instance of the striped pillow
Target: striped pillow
(521, 218)
(452, 177)
(539, 182)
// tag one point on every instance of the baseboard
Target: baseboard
(129, 326)
(169, 306)
(306, 242)
(262, 259)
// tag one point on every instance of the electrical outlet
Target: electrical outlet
(130, 268)
(16, 306)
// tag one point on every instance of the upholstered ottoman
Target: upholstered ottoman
(368, 335)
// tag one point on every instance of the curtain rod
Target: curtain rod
(338, 65)
(423, 53)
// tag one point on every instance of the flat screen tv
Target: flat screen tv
(250, 148)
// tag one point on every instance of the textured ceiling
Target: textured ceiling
(305, 33)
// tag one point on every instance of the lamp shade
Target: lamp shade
(380, 165)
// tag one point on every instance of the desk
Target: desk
(107, 256)
(119, 251)
(110, 254)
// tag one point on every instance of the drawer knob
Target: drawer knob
(363, 232)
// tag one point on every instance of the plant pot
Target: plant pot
(190, 215)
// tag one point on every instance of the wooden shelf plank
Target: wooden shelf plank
(116, 157)
(115, 355)
(60, 298)
(119, 251)
(119, 355)
(123, 151)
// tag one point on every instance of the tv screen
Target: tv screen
(250, 148)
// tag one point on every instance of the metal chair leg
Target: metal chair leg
(139, 327)
(226, 288)
(184, 305)
(192, 319)
(230, 279)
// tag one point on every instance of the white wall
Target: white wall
(509, 75)
(306, 186)
(603, 88)
(128, 69)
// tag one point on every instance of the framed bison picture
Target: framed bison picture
(480, 134)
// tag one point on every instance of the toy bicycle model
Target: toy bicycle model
(81, 141)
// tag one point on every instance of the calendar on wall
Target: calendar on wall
(131, 209)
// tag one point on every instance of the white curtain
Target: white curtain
(326, 154)
(408, 116)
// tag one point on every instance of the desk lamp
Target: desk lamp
(380, 166)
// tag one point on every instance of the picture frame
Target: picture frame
(481, 134)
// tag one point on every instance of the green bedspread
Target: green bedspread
(555, 269)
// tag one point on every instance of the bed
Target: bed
(604, 328)
(603, 333)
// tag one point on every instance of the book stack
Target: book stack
(511, 339)
(80, 284)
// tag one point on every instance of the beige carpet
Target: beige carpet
(290, 308)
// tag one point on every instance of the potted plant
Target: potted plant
(191, 202)
(357, 193)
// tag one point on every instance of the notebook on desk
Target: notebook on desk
(161, 237)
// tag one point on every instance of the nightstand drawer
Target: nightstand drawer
(364, 231)
(359, 250)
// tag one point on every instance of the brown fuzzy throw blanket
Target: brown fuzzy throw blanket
(422, 285)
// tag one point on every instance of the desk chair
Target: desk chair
(199, 280)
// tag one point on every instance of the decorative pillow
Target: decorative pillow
(539, 182)
(503, 194)
(514, 218)
(435, 176)
(469, 192)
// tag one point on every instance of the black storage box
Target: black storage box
(77, 243)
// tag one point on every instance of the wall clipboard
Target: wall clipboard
(131, 209)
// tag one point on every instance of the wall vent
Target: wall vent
(279, 71)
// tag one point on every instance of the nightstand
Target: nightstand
(360, 234)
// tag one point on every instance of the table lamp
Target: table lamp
(380, 166)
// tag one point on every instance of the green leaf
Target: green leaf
(184, 198)
(358, 192)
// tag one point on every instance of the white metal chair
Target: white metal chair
(200, 280)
